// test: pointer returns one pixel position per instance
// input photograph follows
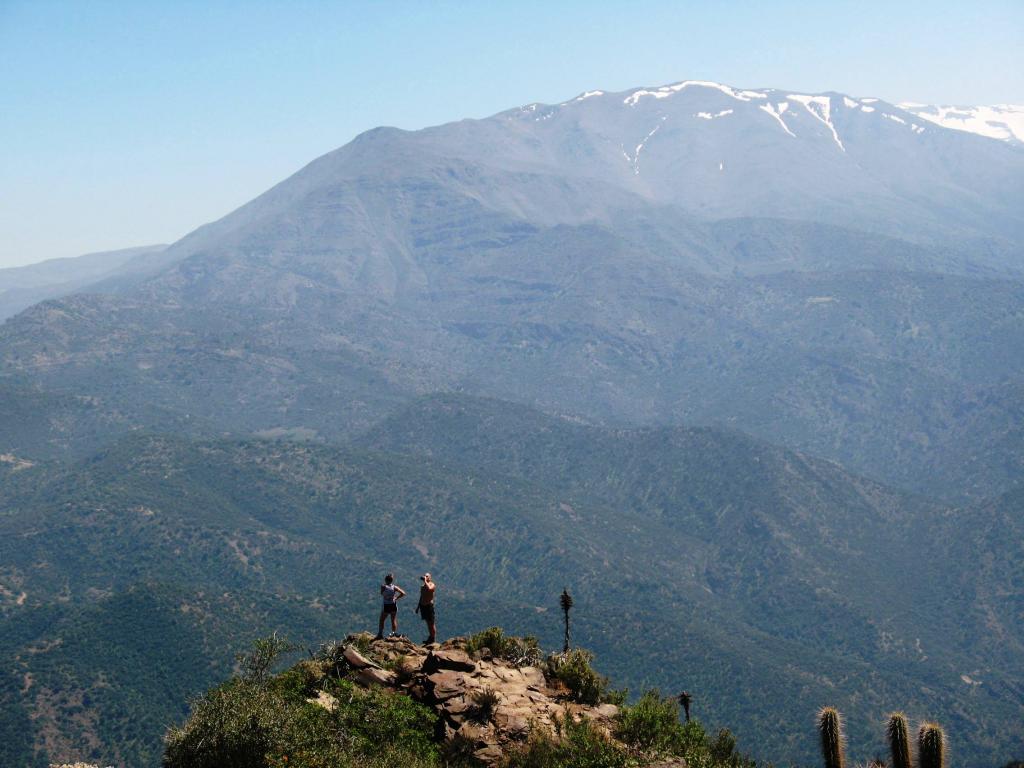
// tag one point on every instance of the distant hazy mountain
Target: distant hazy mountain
(22, 287)
(999, 121)
(587, 257)
(687, 150)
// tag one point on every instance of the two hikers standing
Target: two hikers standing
(391, 593)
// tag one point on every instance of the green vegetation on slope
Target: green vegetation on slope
(255, 720)
(748, 570)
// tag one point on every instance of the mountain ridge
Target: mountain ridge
(1004, 122)
(21, 287)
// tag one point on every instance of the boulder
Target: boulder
(490, 754)
(356, 659)
(474, 734)
(509, 675)
(515, 723)
(374, 676)
(452, 659)
(533, 677)
(445, 685)
(458, 709)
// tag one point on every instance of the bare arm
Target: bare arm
(400, 593)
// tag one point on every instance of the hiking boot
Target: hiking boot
(378, 637)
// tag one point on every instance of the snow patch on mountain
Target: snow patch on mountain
(1000, 121)
(635, 159)
(776, 112)
(667, 90)
(709, 116)
(821, 108)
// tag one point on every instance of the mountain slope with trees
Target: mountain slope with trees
(748, 570)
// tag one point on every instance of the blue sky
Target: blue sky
(130, 123)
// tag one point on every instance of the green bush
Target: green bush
(233, 726)
(519, 651)
(260, 722)
(651, 725)
(301, 681)
(575, 671)
(256, 664)
(575, 745)
(371, 717)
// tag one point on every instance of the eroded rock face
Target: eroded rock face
(486, 703)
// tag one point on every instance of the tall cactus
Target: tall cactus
(830, 726)
(897, 731)
(931, 746)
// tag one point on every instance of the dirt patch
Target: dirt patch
(16, 464)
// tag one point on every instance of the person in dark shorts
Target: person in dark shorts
(426, 606)
(391, 593)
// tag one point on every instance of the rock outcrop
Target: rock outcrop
(487, 705)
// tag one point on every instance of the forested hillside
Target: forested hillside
(745, 568)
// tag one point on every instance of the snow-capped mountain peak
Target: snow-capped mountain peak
(999, 121)
(829, 116)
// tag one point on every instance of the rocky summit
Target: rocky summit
(487, 704)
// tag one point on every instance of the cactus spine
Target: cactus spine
(899, 740)
(931, 746)
(830, 726)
